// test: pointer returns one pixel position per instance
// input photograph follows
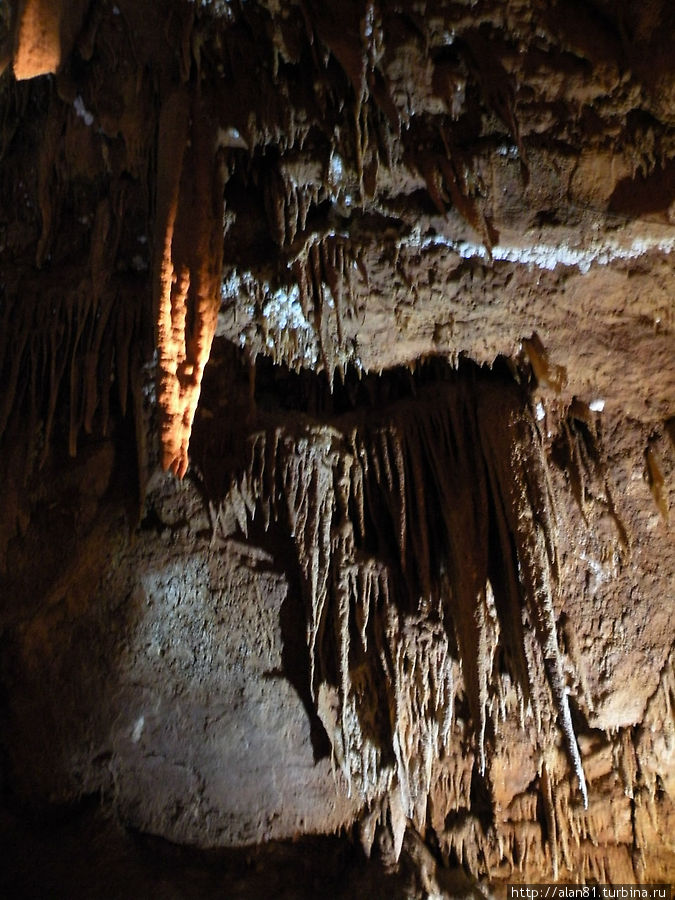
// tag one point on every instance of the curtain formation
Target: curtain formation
(426, 540)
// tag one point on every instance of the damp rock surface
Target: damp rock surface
(391, 288)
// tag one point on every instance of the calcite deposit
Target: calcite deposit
(337, 437)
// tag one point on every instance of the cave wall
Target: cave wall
(266, 226)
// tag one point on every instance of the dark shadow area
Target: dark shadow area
(86, 854)
(294, 655)
(646, 197)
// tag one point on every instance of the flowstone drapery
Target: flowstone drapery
(426, 542)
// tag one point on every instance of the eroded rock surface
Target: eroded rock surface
(398, 281)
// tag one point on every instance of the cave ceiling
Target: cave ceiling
(387, 290)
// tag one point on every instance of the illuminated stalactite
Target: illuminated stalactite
(188, 240)
(38, 42)
(44, 32)
(188, 264)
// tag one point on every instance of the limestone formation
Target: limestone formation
(337, 437)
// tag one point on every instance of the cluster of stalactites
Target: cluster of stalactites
(94, 339)
(417, 533)
(386, 698)
(305, 321)
(189, 176)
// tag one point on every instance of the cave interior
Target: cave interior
(337, 444)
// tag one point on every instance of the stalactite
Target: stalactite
(69, 346)
(656, 482)
(656, 742)
(467, 840)
(527, 495)
(497, 87)
(578, 451)
(360, 54)
(459, 174)
(68, 342)
(425, 538)
(391, 517)
(627, 762)
(546, 373)
(550, 816)
(38, 43)
(446, 181)
(188, 263)
(323, 274)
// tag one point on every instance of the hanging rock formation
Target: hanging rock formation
(453, 493)
(188, 263)
(390, 289)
